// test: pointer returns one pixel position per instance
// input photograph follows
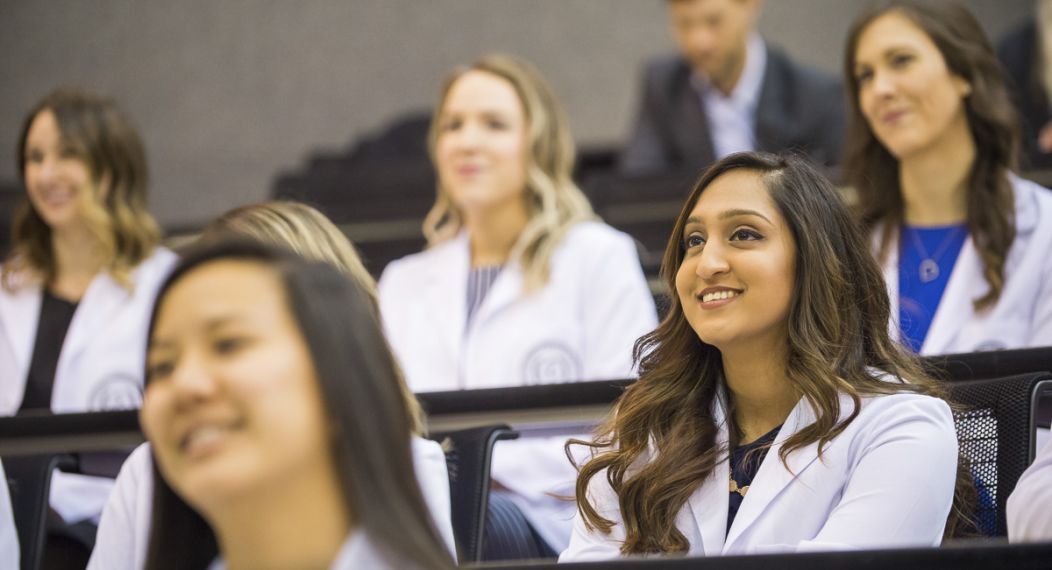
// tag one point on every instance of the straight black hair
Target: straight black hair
(370, 420)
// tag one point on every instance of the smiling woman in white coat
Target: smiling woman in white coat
(520, 284)
(932, 136)
(277, 420)
(76, 291)
(773, 411)
(124, 528)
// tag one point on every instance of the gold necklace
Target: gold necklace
(734, 488)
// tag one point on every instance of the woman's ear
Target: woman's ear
(963, 86)
(104, 184)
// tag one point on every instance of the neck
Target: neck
(494, 232)
(934, 182)
(78, 259)
(762, 395)
(302, 525)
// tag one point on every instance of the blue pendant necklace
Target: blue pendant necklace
(929, 269)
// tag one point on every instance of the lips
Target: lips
(892, 117)
(713, 297)
(469, 170)
(204, 437)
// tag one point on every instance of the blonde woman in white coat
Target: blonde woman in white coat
(964, 243)
(773, 411)
(520, 284)
(75, 293)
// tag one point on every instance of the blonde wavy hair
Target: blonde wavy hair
(106, 140)
(307, 232)
(554, 201)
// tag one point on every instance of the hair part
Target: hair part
(554, 201)
(872, 170)
(358, 381)
(109, 144)
(838, 334)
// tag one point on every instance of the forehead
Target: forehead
(43, 127)
(223, 288)
(692, 9)
(735, 190)
(480, 90)
(892, 30)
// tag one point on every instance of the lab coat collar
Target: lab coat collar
(446, 289)
(773, 477)
(100, 302)
(966, 281)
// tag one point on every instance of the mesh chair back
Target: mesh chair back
(996, 434)
(469, 453)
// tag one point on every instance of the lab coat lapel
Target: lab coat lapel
(19, 316)
(773, 477)
(446, 286)
(955, 308)
(99, 304)
(711, 499)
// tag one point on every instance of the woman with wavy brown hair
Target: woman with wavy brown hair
(773, 409)
(932, 138)
(76, 291)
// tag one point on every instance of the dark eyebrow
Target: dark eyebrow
(211, 325)
(732, 214)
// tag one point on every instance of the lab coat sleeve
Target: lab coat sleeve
(9, 549)
(1030, 505)
(1042, 327)
(124, 529)
(617, 308)
(901, 482)
(429, 461)
(591, 545)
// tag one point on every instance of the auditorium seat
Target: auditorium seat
(29, 482)
(996, 433)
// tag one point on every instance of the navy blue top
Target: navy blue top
(55, 315)
(921, 288)
(744, 466)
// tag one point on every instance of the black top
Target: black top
(744, 466)
(55, 316)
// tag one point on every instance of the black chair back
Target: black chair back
(469, 453)
(991, 364)
(996, 434)
(29, 481)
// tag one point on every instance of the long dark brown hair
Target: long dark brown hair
(838, 335)
(106, 140)
(872, 170)
(368, 413)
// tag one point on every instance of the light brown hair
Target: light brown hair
(108, 143)
(554, 201)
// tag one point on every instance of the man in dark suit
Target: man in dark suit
(728, 91)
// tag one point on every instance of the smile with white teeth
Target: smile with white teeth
(719, 296)
(203, 437)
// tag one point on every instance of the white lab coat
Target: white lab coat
(886, 481)
(1029, 508)
(9, 549)
(124, 531)
(1022, 316)
(580, 326)
(99, 368)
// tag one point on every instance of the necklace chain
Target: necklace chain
(929, 269)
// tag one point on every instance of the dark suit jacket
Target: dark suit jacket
(1019, 53)
(799, 109)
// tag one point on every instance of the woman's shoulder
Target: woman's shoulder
(592, 237)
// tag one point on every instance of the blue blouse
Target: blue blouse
(926, 259)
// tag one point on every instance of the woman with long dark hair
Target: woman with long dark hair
(281, 436)
(932, 139)
(773, 409)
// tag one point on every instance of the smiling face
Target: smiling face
(232, 405)
(737, 276)
(58, 180)
(908, 95)
(481, 147)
